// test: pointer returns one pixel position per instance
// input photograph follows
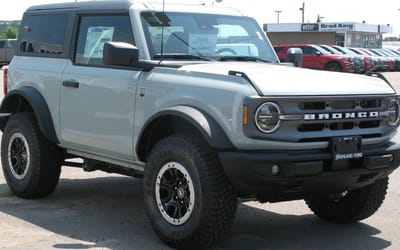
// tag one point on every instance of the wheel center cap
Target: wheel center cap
(180, 193)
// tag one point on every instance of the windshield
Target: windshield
(359, 52)
(322, 50)
(174, 34)
(332, 50)
(347, 51)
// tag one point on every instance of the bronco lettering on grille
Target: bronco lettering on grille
(343, 115)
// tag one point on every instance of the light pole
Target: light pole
(302, 12)
(319, 19)
(277, 15)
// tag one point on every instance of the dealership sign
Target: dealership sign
(336, 26)
(309, 27)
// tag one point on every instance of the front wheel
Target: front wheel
(189, 200)
(350, 206)
(333, 67)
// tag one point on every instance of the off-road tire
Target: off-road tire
(356, 205)
(39, 167)
(333, 67)
(214, 205)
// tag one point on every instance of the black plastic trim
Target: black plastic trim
(304, 173)
(247, 78)
(39, 106)
(204, 123)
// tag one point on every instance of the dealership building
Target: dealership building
(350, 34)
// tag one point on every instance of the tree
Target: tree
(392, 38)
(10, 32)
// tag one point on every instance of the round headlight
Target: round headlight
(267, 117)
(393, 111)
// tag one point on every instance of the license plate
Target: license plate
(348, 147)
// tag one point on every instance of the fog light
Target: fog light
(276, 169)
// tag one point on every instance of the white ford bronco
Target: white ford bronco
(193, 100)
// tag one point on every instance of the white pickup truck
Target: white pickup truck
(7, 48)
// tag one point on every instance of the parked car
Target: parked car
(316, 57)
(392, 56)
(357, 60)
(396, 52)
(7, 48)
(366, 61)
(389, 60)
(381, 62)
(370, 62)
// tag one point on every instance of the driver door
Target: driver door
(97, 101)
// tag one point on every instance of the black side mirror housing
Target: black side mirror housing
(295, 56)
(120, 54)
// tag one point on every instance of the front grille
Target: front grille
(371, 104)
(341, 125)
(319, 118)
(343, 105)
(339, 108)
(311, 127)
(369, 124)
(312, 105)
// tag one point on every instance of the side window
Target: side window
(314, 51)
(306, 50)
(11, 44)
(43, 34)
(95, 31)
(2, 44)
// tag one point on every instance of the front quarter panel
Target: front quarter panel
(219, 96)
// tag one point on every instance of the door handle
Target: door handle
(71, 84)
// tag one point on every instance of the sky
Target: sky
(375, 12)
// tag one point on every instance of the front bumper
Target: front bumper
(348, 67)
(305, 173)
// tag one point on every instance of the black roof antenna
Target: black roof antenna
(162, 21)
(162, 34)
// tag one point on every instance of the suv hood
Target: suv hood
(275, 79)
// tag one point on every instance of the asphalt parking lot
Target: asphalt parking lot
(102, 211)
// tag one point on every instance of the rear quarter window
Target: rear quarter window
(43, 35)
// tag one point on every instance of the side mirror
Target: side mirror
(295, 56)
(318, 53)
(120, 54)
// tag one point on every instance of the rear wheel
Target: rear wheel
(333, 67)
(350, 206)
(31, 164)
(189, 200)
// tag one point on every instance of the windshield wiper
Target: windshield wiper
(243, 59)
(183, 57)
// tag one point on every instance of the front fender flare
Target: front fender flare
(204, 123)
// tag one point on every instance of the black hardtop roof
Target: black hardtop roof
(87, 5)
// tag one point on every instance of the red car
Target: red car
(316, 57)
